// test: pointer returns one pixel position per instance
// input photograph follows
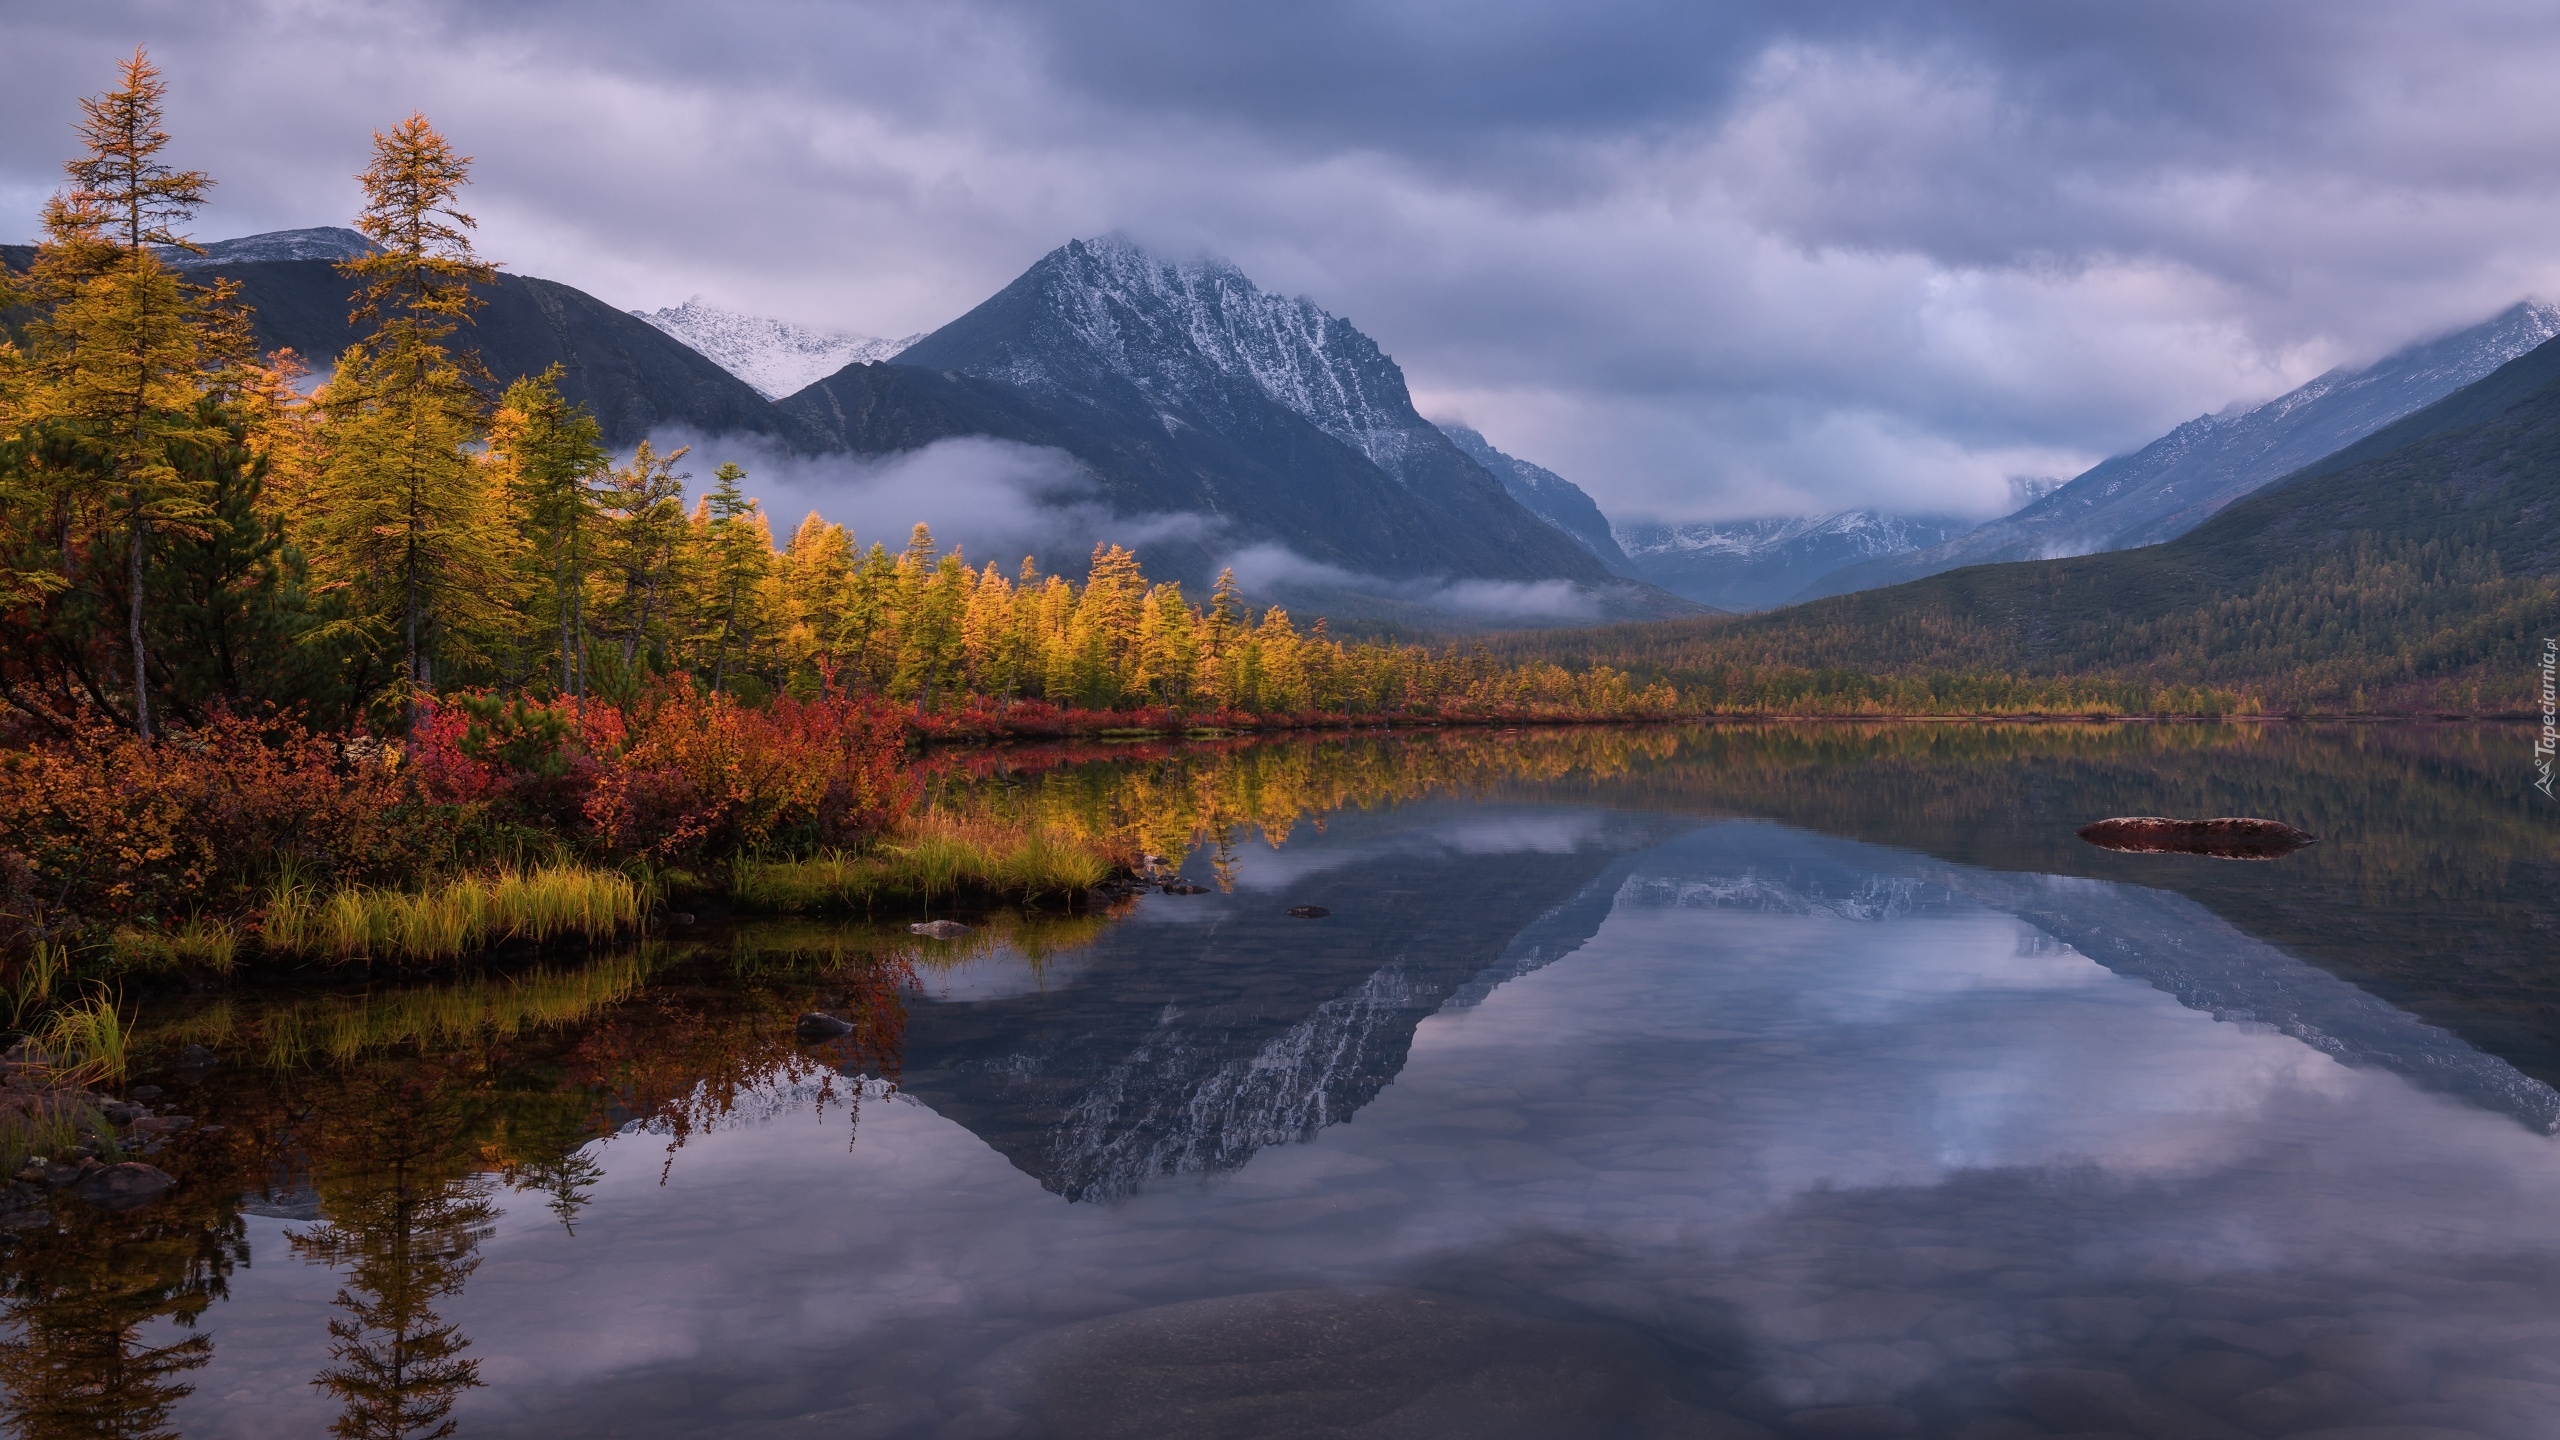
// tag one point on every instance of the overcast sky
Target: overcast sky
(1705, 260)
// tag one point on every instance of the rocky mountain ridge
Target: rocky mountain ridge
(1547, 495)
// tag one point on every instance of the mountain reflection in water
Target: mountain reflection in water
(1640, 1083)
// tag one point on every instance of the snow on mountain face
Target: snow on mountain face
(1753, 564)
(322, 242)
(776, 357)
(1856, 533)
(1175, 329)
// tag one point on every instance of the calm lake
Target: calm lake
(1815, 1082)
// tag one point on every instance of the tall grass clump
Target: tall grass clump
(462, 915)
(31, 988)
(83, 1042)
(201, 943)
(934, 857)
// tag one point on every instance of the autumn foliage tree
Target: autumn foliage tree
(411, 524)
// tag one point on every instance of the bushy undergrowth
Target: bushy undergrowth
(180, 851)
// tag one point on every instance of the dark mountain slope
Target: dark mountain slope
(1547, 495)
(2182, 479)
(2420, 577)
(1298, 483)
(1224, 372)
(633, 376)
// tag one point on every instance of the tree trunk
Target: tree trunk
(133, 624)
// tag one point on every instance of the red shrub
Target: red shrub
(698, 774)
(103, 827)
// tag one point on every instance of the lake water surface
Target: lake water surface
(1714, 1083)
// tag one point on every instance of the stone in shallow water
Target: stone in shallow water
(125, 1186)
(1382, 1363)
(2229, 837)
(817, 1025)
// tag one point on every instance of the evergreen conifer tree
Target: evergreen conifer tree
(123, 346)
(412, 523)
(554, 455)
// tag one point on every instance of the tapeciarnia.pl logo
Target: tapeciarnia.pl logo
(2548, 742)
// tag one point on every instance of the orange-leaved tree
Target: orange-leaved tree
(412, 527)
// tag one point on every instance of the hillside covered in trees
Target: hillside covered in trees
(2415, 571)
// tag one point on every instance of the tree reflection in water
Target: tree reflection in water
(84, 1288)
(405, 1211)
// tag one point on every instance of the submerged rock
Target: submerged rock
(940, 929)
(2230, 837)
(1185, 887)
(1309, 912)
(125, 1186)
(818, 1025)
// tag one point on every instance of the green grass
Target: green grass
(452, 919)
(31, 988)
(937, 857)
(83, 1042)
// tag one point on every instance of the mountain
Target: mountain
(1547, 495)
(1185, 391)
(2182, 479)
(1754, 564)
(774, 356)
(635, 378)
(321, 242)
(2416, 572)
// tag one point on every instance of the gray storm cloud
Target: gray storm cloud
(1703, 260)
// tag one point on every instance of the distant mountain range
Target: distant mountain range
(2179, 481)
(1755, 564)
(2416, 569)
(774, 356)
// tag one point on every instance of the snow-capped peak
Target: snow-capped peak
(776, 357)
(1159, 323)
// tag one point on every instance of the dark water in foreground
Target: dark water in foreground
(1715, 1084)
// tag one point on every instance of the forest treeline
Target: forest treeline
(190, 526)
